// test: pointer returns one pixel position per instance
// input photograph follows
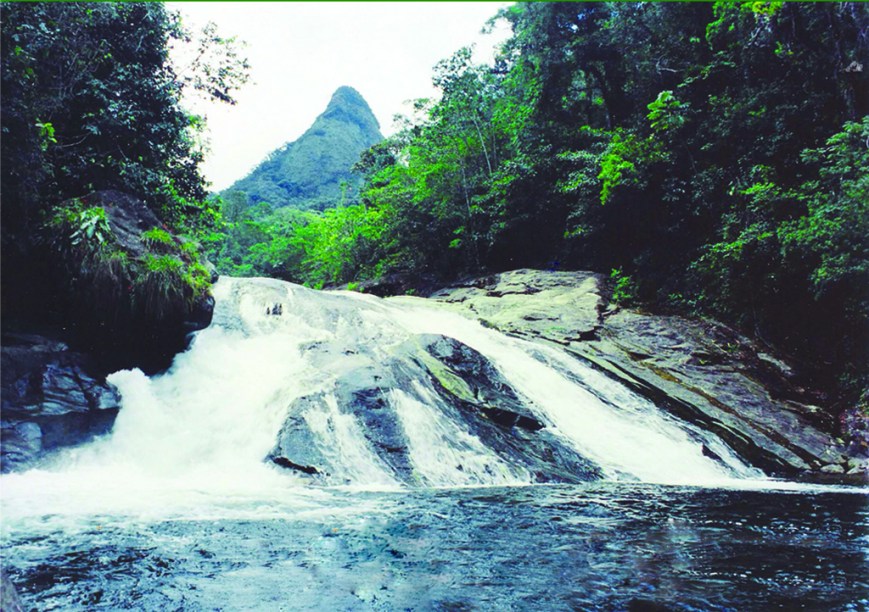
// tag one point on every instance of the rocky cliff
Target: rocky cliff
(122, 287)
(104, 286)
(50, 399)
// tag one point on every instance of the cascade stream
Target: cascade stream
(314, 409)
(213, 418)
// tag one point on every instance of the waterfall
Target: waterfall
(624, 433)
(325, 382)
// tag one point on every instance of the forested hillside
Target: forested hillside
(314, 171)
(711, 157)
(103, 199)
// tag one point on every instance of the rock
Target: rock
(854, 423)
(440, 372)
(361, 391)
(213, 275)
(701, 371)
(783, 368)
(397, 283)
(485, 401)
(467, 376)
(200, 315)
(557, 306)
(833, 469)
(296, 446)
(49, 399)
(286, 463)
(22, 443)
(857, 465)
(128, 217)
(126, 313)
(9, 600)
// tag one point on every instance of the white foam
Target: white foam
(443, 452)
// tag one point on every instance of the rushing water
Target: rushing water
(177, 508)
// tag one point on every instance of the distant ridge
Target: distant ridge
(308, 173)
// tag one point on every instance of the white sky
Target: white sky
(301, 52)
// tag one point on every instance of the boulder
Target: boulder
(128, 218)
(50, 399)
(475, 392)
(440, 372)
(396, 283)
(557, 306)
(128, 306)
(9, 600)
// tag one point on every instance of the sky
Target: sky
(301, 52)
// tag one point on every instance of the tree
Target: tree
(91, 101)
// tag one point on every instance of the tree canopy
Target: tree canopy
(92, 101)
(712, 156)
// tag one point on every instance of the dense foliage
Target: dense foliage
(91, 101)
(711, 157)
(92, 104)
(141, 278)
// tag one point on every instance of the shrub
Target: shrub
(79, 227)
(624, 287)
(158, 239)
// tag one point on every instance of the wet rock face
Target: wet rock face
(49, 400)
(711, 373)
(456, 381)
(9, 600)
(398, 283)
(699, 370)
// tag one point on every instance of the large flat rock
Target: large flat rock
(699, 370)
(557, 306)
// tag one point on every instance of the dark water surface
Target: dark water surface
(595, 547)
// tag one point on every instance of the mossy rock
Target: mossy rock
(124, 286)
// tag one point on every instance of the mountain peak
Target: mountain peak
(347, 95)
(348, 104)
(315, 170)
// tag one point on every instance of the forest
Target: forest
(709, 157)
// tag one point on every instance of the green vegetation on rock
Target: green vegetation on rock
(146, 278)
(157, 238)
